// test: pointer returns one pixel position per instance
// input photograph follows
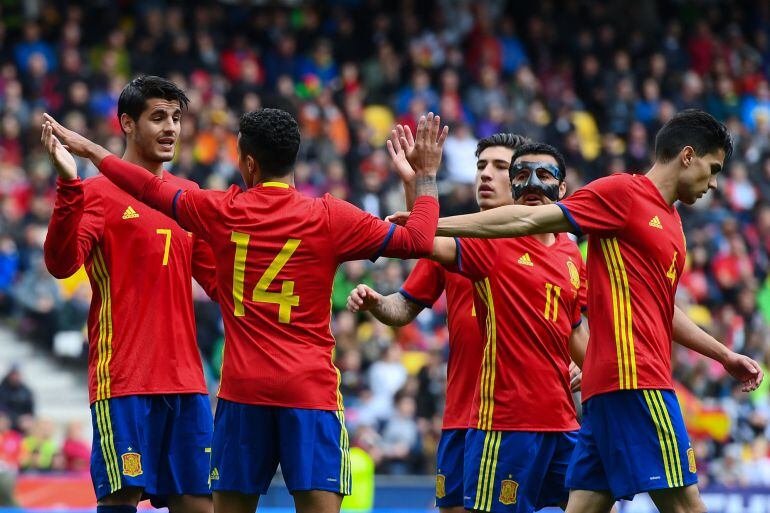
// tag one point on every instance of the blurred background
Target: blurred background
(595, 79)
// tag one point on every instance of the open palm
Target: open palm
(399, 144)
(61, 159)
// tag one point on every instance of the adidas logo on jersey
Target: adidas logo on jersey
(214, 474)
(525, 260)
(655, 223)
(130, 213)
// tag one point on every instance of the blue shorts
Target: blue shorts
(449, 468)
(161, 443)
(516, 471)
(312, 447)
(632, 441)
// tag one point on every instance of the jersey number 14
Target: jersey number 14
(285, 299)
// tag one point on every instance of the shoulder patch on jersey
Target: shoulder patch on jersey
(691, 460)
(655, 223)
(130, 213)
(526, 260)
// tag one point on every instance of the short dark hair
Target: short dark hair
(539, 148)
(133, 98)
(511, 141)
(692, 127)
(271, 137)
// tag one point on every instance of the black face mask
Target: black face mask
(533, 183)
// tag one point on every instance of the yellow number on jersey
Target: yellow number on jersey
(671, 274)
(285, 299)
(167, 233)
(556, 294)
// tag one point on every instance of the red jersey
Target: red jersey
(527, 297)
(424, 286)
(140, 263)
(276, 255)
(636, 244)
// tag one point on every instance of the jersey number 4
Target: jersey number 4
(285, 299)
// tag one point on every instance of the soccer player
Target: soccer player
(425, 284)
(523, 423)
(150, 409)
(633, 438)
(276, 255)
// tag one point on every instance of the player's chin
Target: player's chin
(164, 154)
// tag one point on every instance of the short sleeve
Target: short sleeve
(476, 257)
(195, 209)
(425, 283)
(356, 234)
(603, 205)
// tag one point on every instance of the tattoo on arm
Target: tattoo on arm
(396, 310)
(426, 186)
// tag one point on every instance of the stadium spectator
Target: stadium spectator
(16, 398)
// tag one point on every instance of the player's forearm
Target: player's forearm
(61, 250)
(415, 239)
(396, 310)
(425, 186)
(578, 344)
(505, 221)
(410, 194)
(140, 183)
(688, 334)
(204, 268)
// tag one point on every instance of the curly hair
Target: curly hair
(133, 97)
(271, 137)
(508, 140)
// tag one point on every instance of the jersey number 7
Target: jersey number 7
(285, 299)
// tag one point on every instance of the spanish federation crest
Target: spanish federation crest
(132, 464)
(691, 460)
(508, 491)
(440, 486)
(574, 275)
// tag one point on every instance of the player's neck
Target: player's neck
(288, 180)
(665, 179)
(546, 239)
(155, 168)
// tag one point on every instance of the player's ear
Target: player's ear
(562, 189)
(687, 155)
(126, 123)
(253, 168)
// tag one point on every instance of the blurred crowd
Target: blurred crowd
(595, 79)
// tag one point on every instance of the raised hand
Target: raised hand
(76, 143)
(745, 370)
(425, 157)
(61, 159)
(363, 298)
(399, 145)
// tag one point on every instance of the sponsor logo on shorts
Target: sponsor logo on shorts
(508, 491)
(214, 476)
(654, 478)
(691, 460)
(440, 486)
(132, 464)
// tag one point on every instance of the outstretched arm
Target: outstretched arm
(506, 221)
(393, 310)
(740, 367)
(135, 180)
